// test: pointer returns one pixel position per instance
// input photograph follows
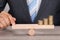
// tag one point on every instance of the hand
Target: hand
(6, 19)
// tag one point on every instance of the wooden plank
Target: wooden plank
(30, 26)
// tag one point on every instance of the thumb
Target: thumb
(12, 20)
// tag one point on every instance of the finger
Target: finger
(10, 18)
(3, 22)
(5, 19)
(14, 19)
(1, 26)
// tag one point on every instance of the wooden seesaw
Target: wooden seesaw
(42, 24)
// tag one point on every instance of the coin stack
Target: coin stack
(46, 21)
(50, 20)
(40, 22)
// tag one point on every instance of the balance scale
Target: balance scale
(46, 23)
(32, 27)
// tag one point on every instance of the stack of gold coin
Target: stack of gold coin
(40, 22)
(45, 21)
(50, 20)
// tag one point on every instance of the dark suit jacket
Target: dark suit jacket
(19, 10)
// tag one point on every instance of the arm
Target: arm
(2, 4)
(5, 18)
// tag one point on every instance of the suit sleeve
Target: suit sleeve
(2, 4)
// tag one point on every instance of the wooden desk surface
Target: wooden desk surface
(22, 34)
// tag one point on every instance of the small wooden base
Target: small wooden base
(29, 26)
(31, 32)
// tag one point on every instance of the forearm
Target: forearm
(2, 4)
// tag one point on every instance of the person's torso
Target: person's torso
(19, 10)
